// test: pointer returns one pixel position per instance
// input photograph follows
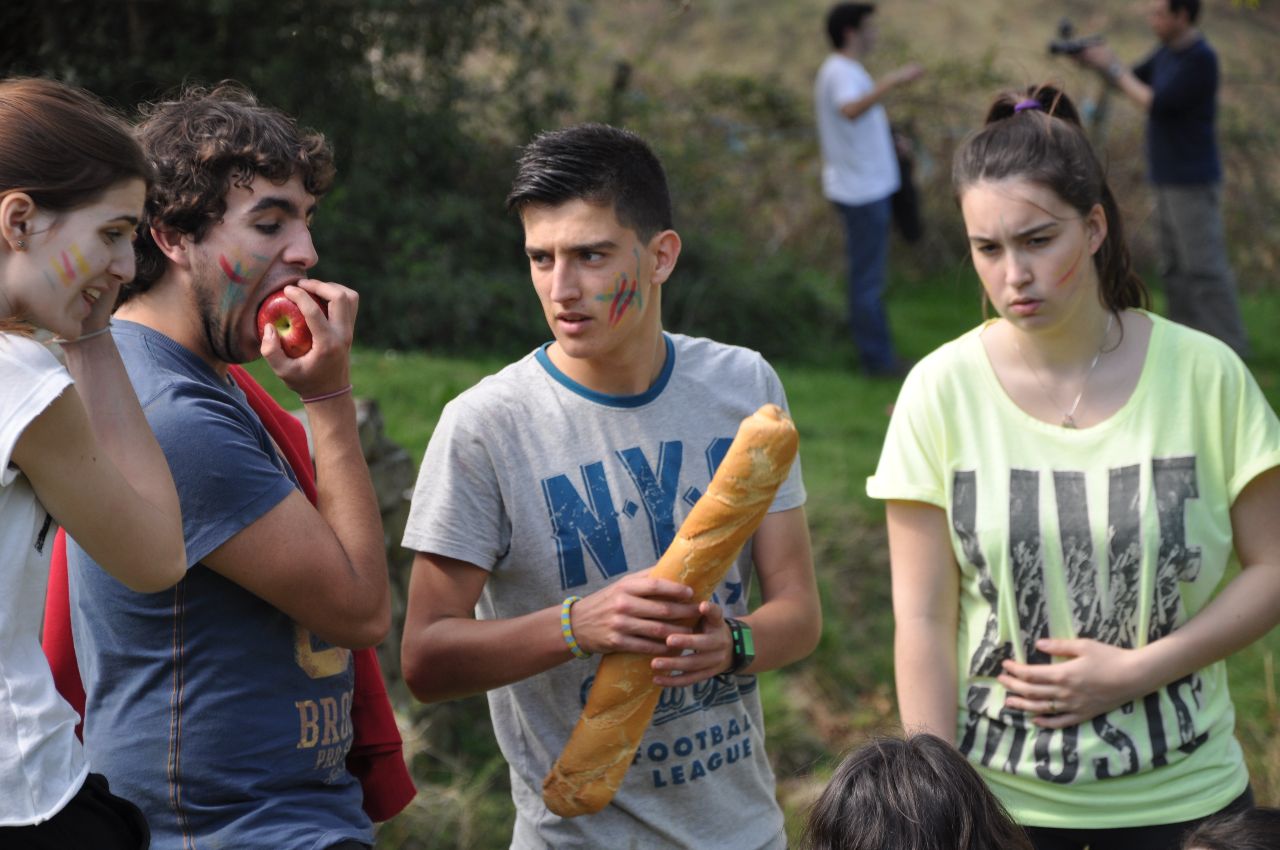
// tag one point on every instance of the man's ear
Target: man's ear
(665, 247)
(174, 245)
(17, 213)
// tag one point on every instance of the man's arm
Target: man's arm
(899, 76)
(324, 566)
(446, 653)
(785, 627)
(1104, 60)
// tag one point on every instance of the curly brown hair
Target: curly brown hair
(206, 141)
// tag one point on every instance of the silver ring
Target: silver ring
(1053, 706)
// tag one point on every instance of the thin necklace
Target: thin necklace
(1068, 417)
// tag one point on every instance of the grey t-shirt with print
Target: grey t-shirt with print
(558, 490)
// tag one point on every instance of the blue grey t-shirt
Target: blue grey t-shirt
(225, 721)
(559, 490)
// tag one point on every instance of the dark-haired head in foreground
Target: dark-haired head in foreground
(914, 794)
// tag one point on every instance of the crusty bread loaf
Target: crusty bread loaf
(622, 699)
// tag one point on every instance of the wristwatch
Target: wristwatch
(744, 648)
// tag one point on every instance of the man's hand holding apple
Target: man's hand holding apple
(328, 313)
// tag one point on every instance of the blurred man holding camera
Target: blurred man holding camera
(1177, 85)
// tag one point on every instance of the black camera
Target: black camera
(1068, 43)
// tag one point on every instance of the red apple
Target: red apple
(291, 327)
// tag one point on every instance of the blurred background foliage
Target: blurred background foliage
(423, 100)
(426, 102)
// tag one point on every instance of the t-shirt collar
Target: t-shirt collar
(625, 401)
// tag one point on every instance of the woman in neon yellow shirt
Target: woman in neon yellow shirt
(1066, 487)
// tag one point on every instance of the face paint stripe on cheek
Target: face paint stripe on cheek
(613, 297)
(235, 275)
(65, 272)
(1071, 271)
(619, 287)
(635, 296)
(231, 297)
(631, 296)
(81, 262)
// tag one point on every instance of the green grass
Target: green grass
(818, 708)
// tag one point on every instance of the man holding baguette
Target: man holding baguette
(549, 490)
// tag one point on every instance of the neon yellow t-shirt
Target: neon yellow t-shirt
(1119, 532)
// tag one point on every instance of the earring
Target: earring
(22, 245)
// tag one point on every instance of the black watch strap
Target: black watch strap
(744, 647)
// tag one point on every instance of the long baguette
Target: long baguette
(622, 699)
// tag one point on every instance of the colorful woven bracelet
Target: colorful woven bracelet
(566, 630)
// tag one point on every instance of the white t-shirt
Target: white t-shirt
(859, 164)
(42, 764)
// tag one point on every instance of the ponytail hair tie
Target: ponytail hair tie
(1029, 103)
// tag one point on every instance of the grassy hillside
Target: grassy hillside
(729, 81)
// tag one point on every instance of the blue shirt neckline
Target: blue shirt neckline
(622, 401)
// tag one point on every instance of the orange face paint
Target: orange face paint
(1071, 271)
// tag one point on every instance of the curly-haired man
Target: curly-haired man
(223, 706)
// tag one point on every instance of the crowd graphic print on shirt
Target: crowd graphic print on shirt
(1112, 615)
(587, 523)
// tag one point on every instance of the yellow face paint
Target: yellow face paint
(68, 263)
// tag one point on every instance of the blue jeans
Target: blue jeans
(866, 238)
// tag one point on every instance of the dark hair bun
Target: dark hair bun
(1052, 101)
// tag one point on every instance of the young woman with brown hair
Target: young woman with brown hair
(75, 449)
(1067, 485)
